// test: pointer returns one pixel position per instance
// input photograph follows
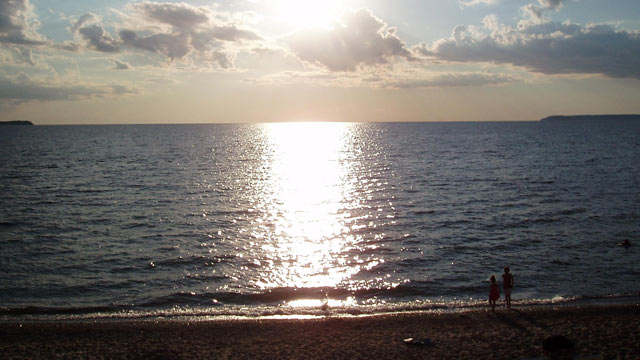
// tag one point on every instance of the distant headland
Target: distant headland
(16, 122)
(591, 117)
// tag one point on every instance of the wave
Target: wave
(310, 308)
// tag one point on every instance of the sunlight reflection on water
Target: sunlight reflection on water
(306, 199)
(303, 215)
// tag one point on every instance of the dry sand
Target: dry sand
(611, 332)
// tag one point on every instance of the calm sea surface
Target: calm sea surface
(149, 220)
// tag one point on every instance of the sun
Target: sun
(308, 13)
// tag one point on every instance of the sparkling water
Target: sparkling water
(277, 218)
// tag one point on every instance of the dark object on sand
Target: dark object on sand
(418, 342)
(558, 347)
(16, 122)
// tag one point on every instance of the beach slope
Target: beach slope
(611, 332)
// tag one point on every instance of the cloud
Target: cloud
(404, 79)
(26, 55)
(82, 20)
(23, 89)
(178, 29)
(123, 90)
(535, 13)
(180, 16)
(549, 48)
(358, 40)
(174, 30)
(98, 39)
(173, 46)
(315, 77)
(478, 2)
(21, 55)
(18, 23)
(551, 4)
(95, 37)
(119, 65)
(457, 79)
(68, 46)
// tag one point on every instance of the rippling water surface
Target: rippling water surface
(232, 218)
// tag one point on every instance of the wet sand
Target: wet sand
(611, 332)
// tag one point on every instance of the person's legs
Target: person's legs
(507, 297)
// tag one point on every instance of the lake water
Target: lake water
(163, 220)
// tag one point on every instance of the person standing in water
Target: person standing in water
(507, 285)
(494, 292)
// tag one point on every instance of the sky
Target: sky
(125, 61)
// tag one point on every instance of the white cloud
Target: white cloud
(22, 55)
(478, 2)
(358, 39)
(178, 29)
(120, 65)
(535, 13)
(551, 4)
(491, 22)
(88, 30)
(548, 47)
(82, 21)
(19, 24)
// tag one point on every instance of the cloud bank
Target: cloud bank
(548, 47)
(23, 88)
(359, 47)
(456, 79)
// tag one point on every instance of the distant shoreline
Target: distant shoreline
(17, 122)
(606, 117)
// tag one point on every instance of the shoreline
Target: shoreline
(611, 331)
(316, 309)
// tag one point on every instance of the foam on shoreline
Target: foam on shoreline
(312, 308)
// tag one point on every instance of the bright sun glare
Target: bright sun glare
(308, 188)
(308, 13)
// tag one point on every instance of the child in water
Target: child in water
(494, 292)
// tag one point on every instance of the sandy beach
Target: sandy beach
(599, 332)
